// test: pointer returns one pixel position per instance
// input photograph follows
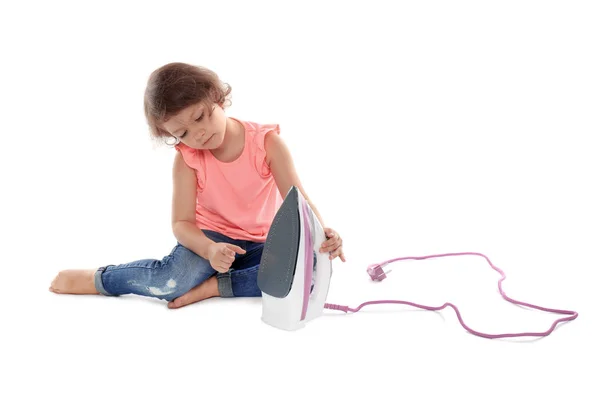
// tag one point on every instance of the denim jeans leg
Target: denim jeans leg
(241, 279)
(244, 282)
(165, 279)
(181, 271)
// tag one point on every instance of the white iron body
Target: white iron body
(286, 305)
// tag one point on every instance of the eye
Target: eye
(184, 134)
(201, 116)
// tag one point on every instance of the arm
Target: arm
(282, 166)
(183, 215)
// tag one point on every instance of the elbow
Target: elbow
(177, 226)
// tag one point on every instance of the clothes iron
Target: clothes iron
(293, 275)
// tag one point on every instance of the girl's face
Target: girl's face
(197, 128)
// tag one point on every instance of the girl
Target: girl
(229, 179)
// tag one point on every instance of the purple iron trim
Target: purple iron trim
(308, 258)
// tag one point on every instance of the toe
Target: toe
(178, 302)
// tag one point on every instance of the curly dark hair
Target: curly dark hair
(176, 86)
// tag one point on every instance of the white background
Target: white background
(419, 128)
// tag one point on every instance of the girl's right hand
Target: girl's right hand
(222, 255)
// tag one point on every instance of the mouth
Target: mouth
(208, 139)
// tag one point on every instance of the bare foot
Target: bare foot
(74, 281)
(205, 290)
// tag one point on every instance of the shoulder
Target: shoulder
(277, 151)
(179, 162)
(275, 146)
(261, 132)
(188, 156)
(273, 141)
(267, 140)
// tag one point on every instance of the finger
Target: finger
(228, 256)
(222, 268)
(332, 247)
(328, 249)
(328, 243)
(332, 239)
(225, 260)
(220, 265)
(235, 248)
(329, 232)
(226, 251)
(338, 253)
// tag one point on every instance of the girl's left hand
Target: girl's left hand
(333, 245)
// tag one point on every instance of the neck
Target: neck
(232, 132)
(231, 141)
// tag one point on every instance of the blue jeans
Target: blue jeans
(181, 271)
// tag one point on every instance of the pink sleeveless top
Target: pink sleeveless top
(238, 199)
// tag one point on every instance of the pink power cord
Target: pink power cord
(377, 274)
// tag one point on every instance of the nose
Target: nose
(200, 133)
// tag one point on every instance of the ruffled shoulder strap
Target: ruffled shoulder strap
(194, 158)
(259, 154)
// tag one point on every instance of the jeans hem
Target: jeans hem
(224, 284)
(98, 282)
